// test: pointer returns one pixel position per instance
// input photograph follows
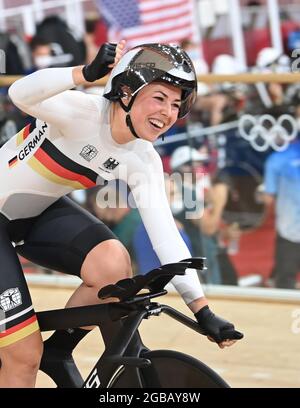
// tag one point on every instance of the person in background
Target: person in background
(144, 255)
(111, 205)
(226, 236)
(191, 165)
(269, 97)
(210, 237)
(13, 47)
(11, 119)
(68, 46)
(281, 189)
(47, 54)
(89, 39)
(224, 102)
(41, 53)
(195, 53)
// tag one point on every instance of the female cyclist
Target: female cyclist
(78, 141)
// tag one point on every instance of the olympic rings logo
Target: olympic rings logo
(265, 131)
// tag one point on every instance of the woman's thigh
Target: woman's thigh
(62, 236)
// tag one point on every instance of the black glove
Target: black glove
(215, 327)
(98, 68)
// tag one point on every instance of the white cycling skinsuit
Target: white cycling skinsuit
(69, 146)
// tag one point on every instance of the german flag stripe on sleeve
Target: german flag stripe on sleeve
(19, 331)
(25, 132)
(50, 163)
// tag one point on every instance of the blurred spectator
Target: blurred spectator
(195, 185)
(17, 61)
(269, 59)
(13, 57)
(282, 181)
(267, 97)
(188, 160)
(92, 48)
(101, 31)
(242, 206)
(292, 100)
(47, 54)
(6, 131)
(194, 51)
(229, 208)
(111, 206)
(252, 22)
(41, 52)
(67, 49)
(146, 258)
(11, 119)
(222, 234)
(90, 39)
(226, 64)
(238, 188)
(293, 42)
(225, 101)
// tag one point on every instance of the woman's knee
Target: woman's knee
(106, 263)
(24, 355)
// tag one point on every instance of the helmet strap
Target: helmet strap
(127, 108)
(123, 106)
(130, 125)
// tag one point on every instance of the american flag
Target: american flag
(145, 21)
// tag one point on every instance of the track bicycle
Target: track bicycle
(126, 362)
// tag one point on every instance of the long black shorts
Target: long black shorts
(59, 239)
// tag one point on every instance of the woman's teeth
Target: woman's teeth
(157, 123)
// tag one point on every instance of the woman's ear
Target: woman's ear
(126, 92)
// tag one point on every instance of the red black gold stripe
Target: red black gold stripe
(52, 164)
(19, 331)
(13, 161)
(23, 134)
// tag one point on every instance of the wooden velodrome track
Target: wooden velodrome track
(267, 357)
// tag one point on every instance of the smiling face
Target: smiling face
(155, 110)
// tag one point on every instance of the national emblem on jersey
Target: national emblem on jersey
(10, 299)
(89, 152)
(111, 163)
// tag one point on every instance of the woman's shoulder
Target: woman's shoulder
(147, 153)
(78, 98)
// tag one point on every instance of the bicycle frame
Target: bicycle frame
(118, 323)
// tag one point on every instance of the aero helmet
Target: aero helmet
(153, 62)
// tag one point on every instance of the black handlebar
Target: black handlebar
(154, 280)
(180, 317)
